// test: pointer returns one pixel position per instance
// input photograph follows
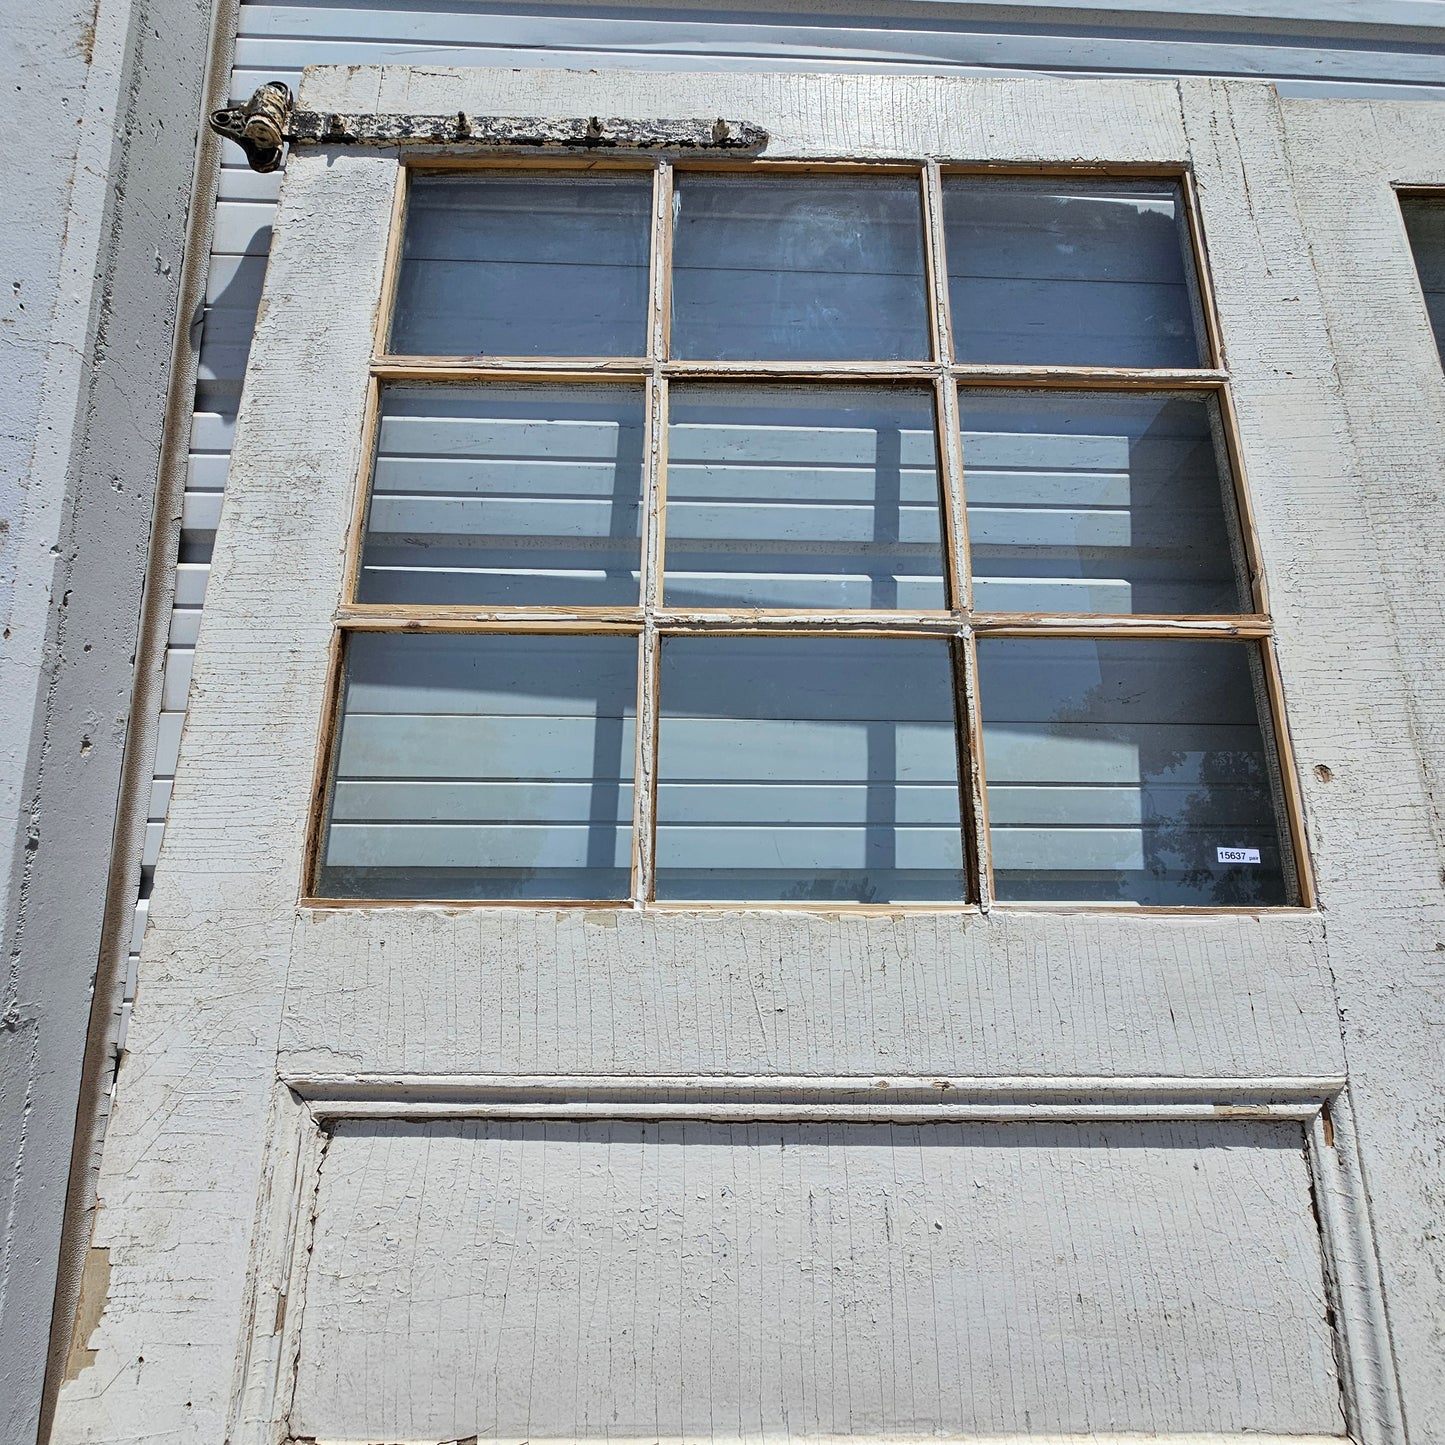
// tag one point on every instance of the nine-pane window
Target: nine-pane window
(824, 537)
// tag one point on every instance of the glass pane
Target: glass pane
(807, 769)
(1425, 224)
(1069, 273)
(483, 767)
(524, 266)
(1097, 502)
(1134, 771)
(798, 268)
(806, 497)
(505, 496)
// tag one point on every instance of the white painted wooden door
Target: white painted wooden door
(429, 1173)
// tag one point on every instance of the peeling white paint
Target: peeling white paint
(210, 1161)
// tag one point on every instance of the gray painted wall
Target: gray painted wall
(105, 96)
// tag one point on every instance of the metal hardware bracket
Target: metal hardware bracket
(269, 120)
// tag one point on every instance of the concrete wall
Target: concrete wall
(99, 103)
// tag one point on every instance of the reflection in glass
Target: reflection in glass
(1425, 225)
(1131, 771)
(1068, 273)
(804, 497)
(1097, 502)
(524, 265)
(798, 268)
(482, 767)
(813, 769)
(505, 496)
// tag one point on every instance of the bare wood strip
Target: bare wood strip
(586, 368)
(1063, 170)
(856, 624)
(883, 371)
(1028, 624)
(660, 290)
(824, 910)
(1244, 508)
(391, 265)
(1199, 255)
(857, 166)
(1288, 776)
(1312, 1089)
(382, 621)
(441, 162)
(355, 538)
(644, 783)
(322, 904)
(1083, 378)
(950, 442)
(885, 1110)
(321, 767)
(1153, 910)
(362, 617)
(509, 368)
(972, 777)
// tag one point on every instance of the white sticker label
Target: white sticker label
(1238, 855)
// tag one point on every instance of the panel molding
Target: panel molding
(804, 1098)
(307, 1107)
(1137, 1437)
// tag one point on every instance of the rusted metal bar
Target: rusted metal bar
(269, 121)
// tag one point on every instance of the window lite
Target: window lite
(832, 536)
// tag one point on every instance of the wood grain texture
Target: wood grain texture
(237, 982)
(1386, 372)
(190, 1139)
(743, 1281)
(617, 992)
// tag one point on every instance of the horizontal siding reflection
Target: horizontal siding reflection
(802, 497)
(483, 767)
(497, 495)
(804, 769)
(1118, 770)
(417, 846)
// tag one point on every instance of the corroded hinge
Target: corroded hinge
(261, 127)
(269, 120)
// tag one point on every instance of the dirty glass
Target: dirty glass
(474, 767)
(1425, 225)
(802, 497)
(524, 265)
(798, 268)
(516, 496)
(1069, 273)
(1130, 772)
(808, 769)
(1092, 501)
